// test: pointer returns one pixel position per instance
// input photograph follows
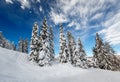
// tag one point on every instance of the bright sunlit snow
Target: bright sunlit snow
(15, 67)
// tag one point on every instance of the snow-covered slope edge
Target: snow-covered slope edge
(14, 67)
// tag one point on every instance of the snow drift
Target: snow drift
(15, 67)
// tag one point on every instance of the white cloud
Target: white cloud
(71, 24)
(40, 8)
(81, 11)
(9, 1)
(112, 29)
(24, 3)
(97, 16)
(112, 33)
(112, 19)
(58, 18)
(38, 1)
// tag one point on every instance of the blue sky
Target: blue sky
(82, 17)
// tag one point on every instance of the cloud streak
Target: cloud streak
(9, 1)
(112, 30)
(24, 3)
(85, 15)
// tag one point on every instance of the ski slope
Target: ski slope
(15, 67)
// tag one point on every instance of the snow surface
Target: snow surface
(15, 67)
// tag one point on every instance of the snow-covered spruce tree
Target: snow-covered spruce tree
(1, 39)
(110, 54)
(51, 38)
(80, 56)
(81, 50)
(25, 46)
(63, 54)
(71, 47)
(34, 52)
(102, 56)
(13, 47)
(44, 52)
(6, 43)
(20, 45)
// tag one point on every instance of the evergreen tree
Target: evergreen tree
(51, 36)
(6, 43)
(71, 47)
(34, 53)
(25, 46)
(80, 56)
(63, 54)
(103, 57)
(20, 45)
(1, 39)
(44, 52)
(13, 46)
(81, 51)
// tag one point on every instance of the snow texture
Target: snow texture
(15, 67)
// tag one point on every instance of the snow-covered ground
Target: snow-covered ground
(14, 67)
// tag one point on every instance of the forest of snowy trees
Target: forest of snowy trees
(42, 50)
(70, 51)
(22, 45)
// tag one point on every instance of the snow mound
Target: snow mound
(15, 67)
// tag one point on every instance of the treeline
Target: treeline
(42, 50)
(22, 45)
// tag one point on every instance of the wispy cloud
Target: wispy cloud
(112, 30)
(97, 16)
(24, 3)
(9, 1)
(71, 24)
(88, 14)
(80, 11)
(40, 8)
(58, 18)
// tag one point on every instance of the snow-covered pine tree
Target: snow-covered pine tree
(110, 54)
(44, 52)
(102, 56)
(20, 45)
(81, 51)
(63, 54)
(6, 43)
(13, 46)
(1, 39)
(81, 57)
(71, 47)
(51, 38)
(34, 52)
(25, 46)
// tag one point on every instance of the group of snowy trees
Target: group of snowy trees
(104, 55)
(70, 52)
(4, 43)
(42, 47)
(23, 45)
(42, 50)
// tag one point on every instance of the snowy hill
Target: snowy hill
(14, 67)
